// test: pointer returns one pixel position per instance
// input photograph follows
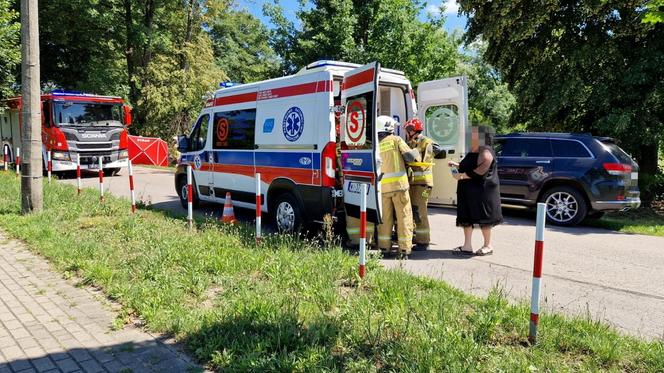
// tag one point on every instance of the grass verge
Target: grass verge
(290, 305)
(641, 221)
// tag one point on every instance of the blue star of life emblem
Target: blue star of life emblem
(293, 124)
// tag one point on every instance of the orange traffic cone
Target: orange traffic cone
(229, 216)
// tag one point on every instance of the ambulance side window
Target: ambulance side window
(234, 129)
(198, 135)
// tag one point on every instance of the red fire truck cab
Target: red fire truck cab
(74, 125)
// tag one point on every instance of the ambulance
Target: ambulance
(311, 137)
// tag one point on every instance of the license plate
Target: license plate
(635, 175)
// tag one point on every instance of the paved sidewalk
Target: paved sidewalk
(49, 325)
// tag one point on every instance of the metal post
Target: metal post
(18, 161)
(131, 185)
(6, 158)
(363, 231)
(101, 179)
(190, 199)
(49, 160)
(537, 272)
(78, 174)
(258, 209)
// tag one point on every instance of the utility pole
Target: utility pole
(32, 197)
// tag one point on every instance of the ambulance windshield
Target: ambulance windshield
(92, 114)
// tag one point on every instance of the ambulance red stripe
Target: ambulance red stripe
(278, 92)
(268, 174)
(360, 174)
(363, 77)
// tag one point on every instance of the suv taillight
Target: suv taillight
(617, 168)
(328, 165)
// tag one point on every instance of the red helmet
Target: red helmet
(416, 124)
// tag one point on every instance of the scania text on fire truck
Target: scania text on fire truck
(289, 130)
(74, 124)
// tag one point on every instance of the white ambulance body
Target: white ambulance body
(286, 129)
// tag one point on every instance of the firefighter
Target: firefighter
(394, 154)
(421, 180)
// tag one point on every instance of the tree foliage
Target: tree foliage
(361, 31)
(10, 52)
(241, 47)
(584, 66)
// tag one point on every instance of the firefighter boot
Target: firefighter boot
(419, 197)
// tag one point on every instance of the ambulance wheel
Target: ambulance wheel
(287, 213)
(182, 193)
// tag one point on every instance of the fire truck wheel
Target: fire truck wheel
(182, 193)
(287, 213)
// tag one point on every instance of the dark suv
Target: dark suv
(576, 175)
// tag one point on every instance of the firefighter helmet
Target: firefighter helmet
(385, 124)
(416, 124)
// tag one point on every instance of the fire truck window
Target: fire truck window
(234, 129)
(199, 133)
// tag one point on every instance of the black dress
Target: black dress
(478, 198)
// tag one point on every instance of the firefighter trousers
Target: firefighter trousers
(419, 197)
(396, 206)
(353, 230)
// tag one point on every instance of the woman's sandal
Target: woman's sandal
(485, 250)
(459, 250)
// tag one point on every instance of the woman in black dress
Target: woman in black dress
(478, 191)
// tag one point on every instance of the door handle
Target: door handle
(542, 162)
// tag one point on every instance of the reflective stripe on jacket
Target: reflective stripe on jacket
(393, 149)
(422, 172)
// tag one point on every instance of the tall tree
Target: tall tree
(361, 31)
(10, 35)
(586, 66)
(241, 47)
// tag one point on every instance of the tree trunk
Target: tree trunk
(134, 94)
(31, 168)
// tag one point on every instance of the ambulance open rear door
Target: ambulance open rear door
(442, 105)
(360, 157)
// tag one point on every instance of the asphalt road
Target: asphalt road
(614, 277)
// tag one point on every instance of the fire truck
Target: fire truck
(74, 125)
(291, 130)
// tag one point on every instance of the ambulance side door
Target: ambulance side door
(360, 156)
(443, 108)
(197, 156)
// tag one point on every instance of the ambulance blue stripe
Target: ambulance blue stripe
(283, 159)
(263, 159)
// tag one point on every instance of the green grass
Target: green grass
(641, 221)
(291, 305)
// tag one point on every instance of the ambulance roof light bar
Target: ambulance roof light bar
(228, 84)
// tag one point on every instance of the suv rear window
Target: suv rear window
(569, 149)
(521, 147)
(617, 152)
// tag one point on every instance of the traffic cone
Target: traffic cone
(229, 216)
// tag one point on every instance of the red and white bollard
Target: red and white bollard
(49, 164)
(537, 272)
(131, 185)
(18, 161)
(101, 180)
(259, 205)
(363, 231)
(190, 199)
(78, 174)
(6, 157)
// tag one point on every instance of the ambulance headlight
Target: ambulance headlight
(60, 156)
(123, 154)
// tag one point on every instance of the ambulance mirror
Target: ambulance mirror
(183, 143)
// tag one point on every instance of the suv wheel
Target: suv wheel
(564, 206)
(287, 213)
(183, 191)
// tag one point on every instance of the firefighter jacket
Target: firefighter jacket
(394, 154)
(422, 172)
